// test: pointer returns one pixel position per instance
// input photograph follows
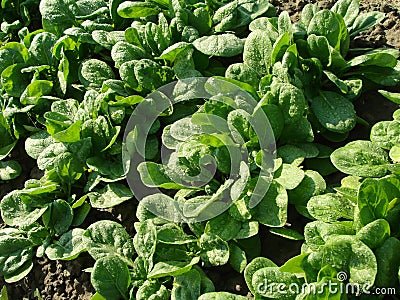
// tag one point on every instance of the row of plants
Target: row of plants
(72, 77)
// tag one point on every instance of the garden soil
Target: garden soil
(59, 280)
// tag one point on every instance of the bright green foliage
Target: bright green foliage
(69, 88)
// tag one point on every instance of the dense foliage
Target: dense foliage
(72, 76)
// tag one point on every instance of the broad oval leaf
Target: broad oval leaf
(110, 278)
(330, 207)
(224, 45)
(334, 112)
(93, 72)
(14, 253)
(111, 195)
(16, 212)
(105, 238)
(361, 158)
(68, 247)
(132, 10)
(258, 51)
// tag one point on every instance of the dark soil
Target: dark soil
(60, 280)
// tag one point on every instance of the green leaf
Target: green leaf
(394, 154)
(171, 268)
(237, 258)
(123, 52)
(110, 278)
(3, 294)
(334, 112)
(347, 254)
(93, 72)
(348, 9)
(388, 260)
(361, 158)
(292, 102)
(154, 175)
(56, 16)
(9, 170)
(16, 212)
(255, 265)
(394, 97)
(308, 13)
(289, 176)
(97, 296)
(284, 24)
(243, 76)
(257, 52)
(224, 226)
(340, 84)
(149, 74)
(378, 58)
(132, 10)
(375, 233)
(14, 253)
(68, 247)
(12, 53)
(172, 52)
(145, 239)
(330, 207)
(58, 216)
(224, 45)
(276, 118)
(272, 210)
(70, 135)
(152, 289)
(108, 39)
(105, 238)
(317, 233)
(6, 150)
(36, 143)
(19, 274)
(288, 233)
(326, 23)
(205, 207)
(279, 47)
(248, 230)
(13, 80)
(187, 286)
(111, 195)
(201, 20)
(365, 21)
(301, 131)
(374, 196)
(215, 251)
(173, 235)
(295, 265)
(312, 184)
(163, 206)
(41, 48)
(385, 134)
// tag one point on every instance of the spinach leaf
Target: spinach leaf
(107, 238)
(224, 45)
(334, 112)
(361, 158)
(110, 277)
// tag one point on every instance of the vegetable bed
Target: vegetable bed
(270, 170)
